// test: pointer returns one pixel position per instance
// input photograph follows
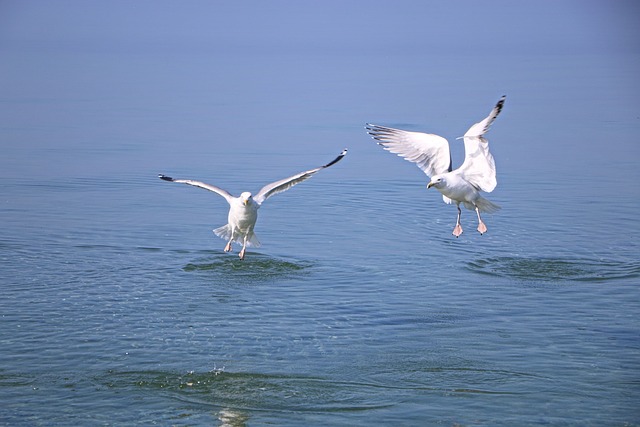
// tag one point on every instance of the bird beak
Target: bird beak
(246, 202)
(429, 185)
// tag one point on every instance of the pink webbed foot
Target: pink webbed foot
(241, 255)
(457, 230)
(228, 247)
(482, 228)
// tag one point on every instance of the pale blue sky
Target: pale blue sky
(279, 76)
(493, 26)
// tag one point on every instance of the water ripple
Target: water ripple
(255, 266)
(556, 269)
(246, 391)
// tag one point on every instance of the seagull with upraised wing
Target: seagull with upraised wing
(431, 154)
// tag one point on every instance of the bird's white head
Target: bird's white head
(436, 181)
(246, 198)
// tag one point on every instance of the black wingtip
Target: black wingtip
(337, 159)
(372, 130)
(500, 104)
(164, 177)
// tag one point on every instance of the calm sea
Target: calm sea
(119, 307)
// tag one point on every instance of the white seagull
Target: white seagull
(243, 210)
(431, 154)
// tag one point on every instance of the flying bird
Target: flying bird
(431, 154)
(243, 210)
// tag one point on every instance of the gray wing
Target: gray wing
(479, 168)
(199, 184)
(285, 184)
(429, 152)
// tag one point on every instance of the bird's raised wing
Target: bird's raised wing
(430, 152)
(480, 128)
(209, 187)
(479, 168)
(285, 184)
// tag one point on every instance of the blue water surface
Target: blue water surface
(118, 305)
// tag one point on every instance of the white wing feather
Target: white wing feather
(480, 128)
(429, 152)
(285, 184)
(479, 168)
(199, 184)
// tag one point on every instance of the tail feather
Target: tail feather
(486, 206)
(225, 232)
(253, 240)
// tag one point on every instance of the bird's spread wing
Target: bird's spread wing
(480, 128)
(209, 187)
(479, 168)
(285, 184)
(430, 152)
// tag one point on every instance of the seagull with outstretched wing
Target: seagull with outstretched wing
(243, 210)
(431, 154)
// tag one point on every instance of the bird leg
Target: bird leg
(228, 247)
(481, 227)
(244, 246)
(457, 230)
